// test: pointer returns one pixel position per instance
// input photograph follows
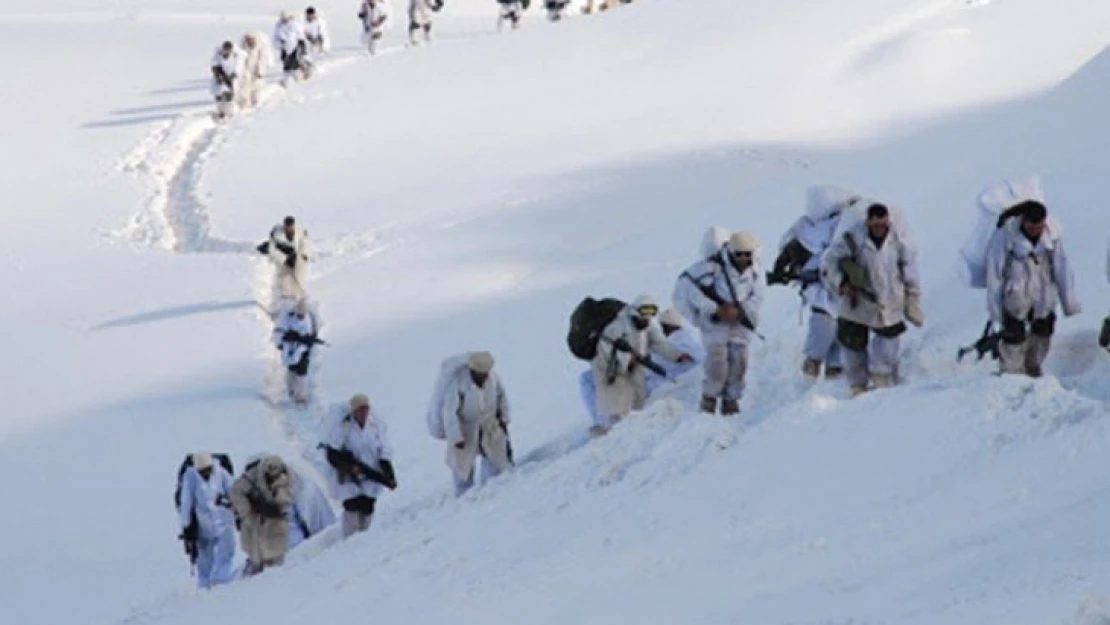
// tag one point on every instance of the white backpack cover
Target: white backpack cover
(450, 368)
(712, 241)
(992, 202)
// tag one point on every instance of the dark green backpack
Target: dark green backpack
(587, 323)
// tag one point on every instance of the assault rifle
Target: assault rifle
(711, 293)
(350, 467)
(646, 361)
(987, 344)
(291, 336)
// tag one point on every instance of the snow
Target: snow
(466, 195)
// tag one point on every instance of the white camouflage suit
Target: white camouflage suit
(511, 11)
(478, 417)
(375, 17)
(420, 18)
(814, 231)
(209, 499)
(621, 382)
(1026, 281)
(371, 446)
(291, 281)
(726, 344)
(257, 59)
(294, 329)
(684, 340)
(232, 66)
(892, 271)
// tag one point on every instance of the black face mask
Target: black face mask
(640, 323)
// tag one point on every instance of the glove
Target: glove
(913, 310)
(291, 261)
(1104, 334)
(190, 533)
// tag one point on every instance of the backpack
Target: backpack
(993, 203)
(587, 322)
(450, 368)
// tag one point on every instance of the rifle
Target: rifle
(987, 344)
(646, 361)
(806, 277)
(292, 336)
(188, 536)
(709, 292)
(352, 468)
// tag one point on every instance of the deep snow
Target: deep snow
(465, 195)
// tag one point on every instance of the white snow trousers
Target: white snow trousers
(487, 471)
(726, 365)
(214, 559)
(291, 282)
(821, 343)
(355, 522)
(879, 359)
(587, 388)
(1026, 357)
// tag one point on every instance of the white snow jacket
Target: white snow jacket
(369, 444)
(420, 12)
(311, 511)
(288, 35)
(232, 66)
(263, 538)
(258, 59)
(1026, 278)
(209, 499)
(891, 269)
(375, 16)
(720, 276)
(621, 383)
(478, 417)
(292, 349)
(280, 244)
(316, 33)
(685, 340)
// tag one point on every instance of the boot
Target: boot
(1033, 371)
(833, 373)
(730, 407)
(597, 431)
(811, 368)
(709, 404)
(879, 380)
(858, 390)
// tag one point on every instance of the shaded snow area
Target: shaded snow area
(466, 195)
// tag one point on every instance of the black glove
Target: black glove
(390, 476)
(222, 500)
(291, 261)
(192, 532)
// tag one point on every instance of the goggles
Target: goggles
(647, 311)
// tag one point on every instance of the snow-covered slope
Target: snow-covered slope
(466, 195)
